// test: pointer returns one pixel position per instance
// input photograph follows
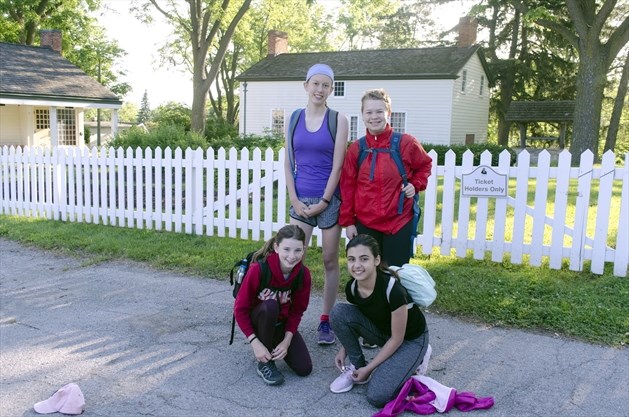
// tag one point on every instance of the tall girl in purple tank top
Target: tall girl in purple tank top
(312, 181)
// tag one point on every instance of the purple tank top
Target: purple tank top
(314, 154)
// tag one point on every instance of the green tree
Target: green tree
(597, 30)
(529, 62)
(172, 113)
(144, 115)
(206, 24)
(619, 105)
(128, 113)
(363, 20)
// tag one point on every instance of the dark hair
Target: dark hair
(372, 244)
(290, 231)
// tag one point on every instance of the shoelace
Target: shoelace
(324, 326)
(267, 371)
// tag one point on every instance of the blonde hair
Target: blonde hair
(376, 94)
(290, 231)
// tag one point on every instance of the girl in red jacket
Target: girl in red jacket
(269, 315)
(371, 194)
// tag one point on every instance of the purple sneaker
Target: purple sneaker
(326, 334)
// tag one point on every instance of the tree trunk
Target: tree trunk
(199, 96)
(619, 102)
(589, 99)
(506, 96)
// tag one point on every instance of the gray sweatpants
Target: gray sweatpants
(387, 379)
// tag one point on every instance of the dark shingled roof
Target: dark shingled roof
(377, 64)
(540, 111)
(31, 72)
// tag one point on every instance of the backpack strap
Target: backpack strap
(394, 151)
(333, 121)
(292, 125)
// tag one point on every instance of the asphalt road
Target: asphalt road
(143, 342)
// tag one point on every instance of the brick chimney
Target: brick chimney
(278, 43)
(51, 39)
(468, 27)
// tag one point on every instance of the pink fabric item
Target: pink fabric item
(423, 395)
(67, 400)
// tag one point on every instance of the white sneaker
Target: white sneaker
(423, 367)
(345, 382)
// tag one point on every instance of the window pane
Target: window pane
(277, 122)
(353, 128)
(398, 122)
(42, 119)
(66, 127)
(339, 88)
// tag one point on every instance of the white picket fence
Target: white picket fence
(244, 195)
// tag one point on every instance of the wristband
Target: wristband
(326, 201)
(254, 338)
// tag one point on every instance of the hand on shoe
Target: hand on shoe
(361, 374)
(260, 351)
(279, 352)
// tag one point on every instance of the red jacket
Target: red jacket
(292, 305)
(375, 203)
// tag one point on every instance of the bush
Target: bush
(87, 134)
(163, 136)
(476, 149)
(219, 128)
(250, 141)
(172, 114)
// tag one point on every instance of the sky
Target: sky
(141, 42)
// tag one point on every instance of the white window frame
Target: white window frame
(463, 81)
(398, 121)
(353, 128)
(66, 126)
(482, 86)
(338, 89)
(278, 127)
(42, 119)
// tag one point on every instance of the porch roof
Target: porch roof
(36, 75)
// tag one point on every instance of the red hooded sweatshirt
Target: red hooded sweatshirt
(375, 203)
(292, 304)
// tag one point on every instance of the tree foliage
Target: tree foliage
(205, 24)
(598, 30)
(144, 115)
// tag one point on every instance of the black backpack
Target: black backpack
(238, 273)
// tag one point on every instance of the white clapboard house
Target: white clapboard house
(43, 96)
(439, 94)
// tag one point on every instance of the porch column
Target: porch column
(114, 123)
(54, 128)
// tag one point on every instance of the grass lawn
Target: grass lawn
(579, 305)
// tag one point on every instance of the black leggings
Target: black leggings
(271, 333)
(396, 248)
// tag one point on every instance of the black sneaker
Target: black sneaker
(269, 373)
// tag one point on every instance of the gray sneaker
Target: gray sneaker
(269, 373)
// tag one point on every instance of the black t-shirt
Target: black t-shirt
(378, 310)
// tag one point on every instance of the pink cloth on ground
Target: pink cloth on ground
(423, 395)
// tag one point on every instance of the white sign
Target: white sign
(484, 182)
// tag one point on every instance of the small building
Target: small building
(526, 113)
(439, 94)
(43, 95)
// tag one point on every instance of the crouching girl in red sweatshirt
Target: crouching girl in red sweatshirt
(269, 315)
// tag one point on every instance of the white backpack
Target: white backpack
(418, 283)
(416, 280)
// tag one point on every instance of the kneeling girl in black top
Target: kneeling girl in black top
(389, 320)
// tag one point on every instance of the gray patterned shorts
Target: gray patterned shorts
(324, 220)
